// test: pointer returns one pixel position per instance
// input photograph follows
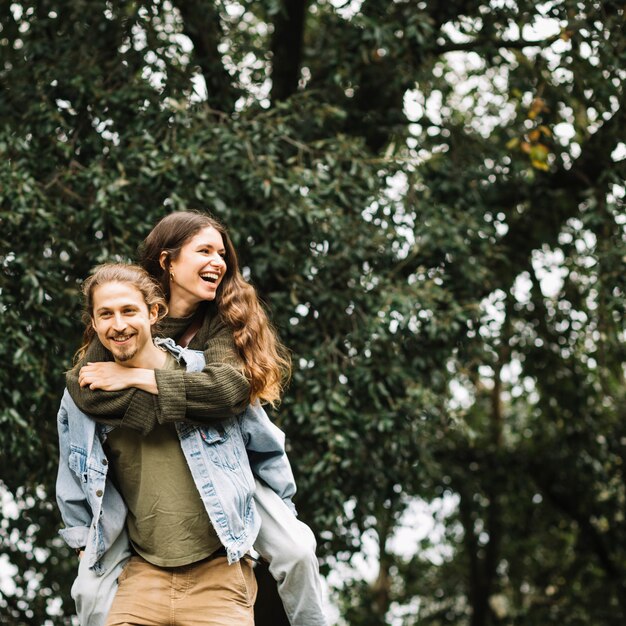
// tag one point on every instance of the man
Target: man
(181, 495)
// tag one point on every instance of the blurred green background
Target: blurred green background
(429, 197)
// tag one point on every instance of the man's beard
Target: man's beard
(125, 356)
(123, 353)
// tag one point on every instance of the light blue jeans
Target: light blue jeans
(288, 545)
(93, 594)
(284, 541)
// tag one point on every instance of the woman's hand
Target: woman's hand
(109, 376)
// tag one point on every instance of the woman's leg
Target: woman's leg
(289, 546)
(93, 594)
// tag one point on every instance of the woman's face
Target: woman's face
(197, 272)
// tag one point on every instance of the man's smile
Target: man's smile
(121, 339)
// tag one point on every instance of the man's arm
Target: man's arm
(71, 499)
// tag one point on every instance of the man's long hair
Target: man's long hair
(118, 273)
(266, 361)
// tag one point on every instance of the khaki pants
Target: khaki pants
(208, 593)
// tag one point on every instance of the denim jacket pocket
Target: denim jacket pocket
(212, 435)
(222, 444)
(83, 467)
(78, 462)
(220, 433)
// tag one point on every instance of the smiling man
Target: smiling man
(123, 324)
(118, 488)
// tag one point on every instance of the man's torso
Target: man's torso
(167, 523)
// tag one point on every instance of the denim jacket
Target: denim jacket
(221, 459)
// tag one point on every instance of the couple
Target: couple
(156, 486)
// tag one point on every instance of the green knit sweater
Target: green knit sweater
(218, 392)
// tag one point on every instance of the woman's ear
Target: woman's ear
(164, 260)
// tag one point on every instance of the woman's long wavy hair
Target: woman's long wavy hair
(266, 361)
(118, 273)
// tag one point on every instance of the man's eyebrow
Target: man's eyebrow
(108, 308)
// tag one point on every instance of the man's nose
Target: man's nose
(119, 323)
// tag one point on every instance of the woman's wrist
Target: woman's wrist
(145, 380)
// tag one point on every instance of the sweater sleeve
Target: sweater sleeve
(131, 408)
(219, 391)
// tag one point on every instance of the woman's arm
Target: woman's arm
(109, 376)
(218, 392)
(129, 407)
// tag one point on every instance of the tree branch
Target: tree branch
(524, 236)
(596, 542)
(469, 46)
(548, 204)
(201, 23)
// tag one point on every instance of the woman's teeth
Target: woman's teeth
(209, 277)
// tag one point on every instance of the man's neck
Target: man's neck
(150, 358)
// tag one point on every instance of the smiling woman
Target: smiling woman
(184, 251)
(192, 257)
(214, 310)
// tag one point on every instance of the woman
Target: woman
(213, 309)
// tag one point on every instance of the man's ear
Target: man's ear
(164, 259)
(153, 314)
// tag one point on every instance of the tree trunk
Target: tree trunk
(287, 42)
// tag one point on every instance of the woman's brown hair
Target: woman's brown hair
(266, 361)
(118, 273)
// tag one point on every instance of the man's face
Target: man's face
(122, 320)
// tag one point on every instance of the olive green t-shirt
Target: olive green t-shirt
(167, 522)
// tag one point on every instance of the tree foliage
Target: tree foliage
(429, 198)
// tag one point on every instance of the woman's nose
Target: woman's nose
(218, 260)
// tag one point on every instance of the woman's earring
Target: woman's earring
(171, 276)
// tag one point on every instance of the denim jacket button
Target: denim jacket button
(105, 462)
(99, 493)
